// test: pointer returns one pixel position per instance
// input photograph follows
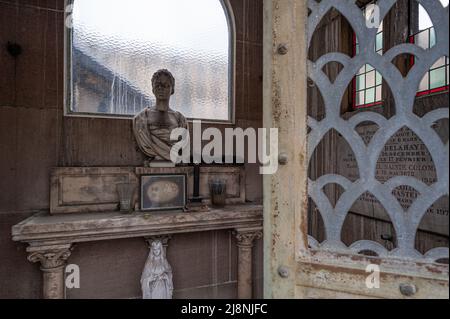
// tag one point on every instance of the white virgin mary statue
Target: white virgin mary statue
(156, 280)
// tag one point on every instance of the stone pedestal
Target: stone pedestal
(245, 238)
(53, 261)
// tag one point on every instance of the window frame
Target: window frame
(355, 45)
(68, 87)
(430, 91)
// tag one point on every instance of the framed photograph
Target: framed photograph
(163, 192)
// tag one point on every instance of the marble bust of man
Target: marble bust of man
(152, 126)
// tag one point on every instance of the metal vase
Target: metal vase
(126, 194)
(218, 190)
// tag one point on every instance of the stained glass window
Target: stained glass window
(368, 82)
(437, 78)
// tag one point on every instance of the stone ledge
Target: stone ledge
(45, 229)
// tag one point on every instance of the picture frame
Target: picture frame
(162, 192)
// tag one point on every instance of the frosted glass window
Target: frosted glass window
(117, 45)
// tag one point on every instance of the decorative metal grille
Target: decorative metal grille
(404, 91)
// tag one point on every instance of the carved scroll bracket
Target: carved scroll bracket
(246, 237)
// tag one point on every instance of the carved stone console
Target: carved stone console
(51, 237)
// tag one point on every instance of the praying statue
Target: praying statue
(153, 126)
(156, 280)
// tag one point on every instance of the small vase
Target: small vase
(218, 190)
(126, 194)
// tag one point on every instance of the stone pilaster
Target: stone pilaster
(245, 239)
(53, 261)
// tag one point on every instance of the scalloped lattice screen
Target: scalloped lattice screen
(367, 153)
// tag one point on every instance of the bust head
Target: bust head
(152, 126)
(163, 84)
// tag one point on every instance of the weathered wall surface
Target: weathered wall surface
(35, 136)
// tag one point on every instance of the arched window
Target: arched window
(436, 80)
(115, 46)
(368, 83)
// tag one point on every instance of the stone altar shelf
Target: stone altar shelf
(52, 237)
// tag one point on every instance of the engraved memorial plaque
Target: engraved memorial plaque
(403, 155)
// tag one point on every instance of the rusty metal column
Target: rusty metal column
(285, 108)
(245, 238)
(53, 261)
